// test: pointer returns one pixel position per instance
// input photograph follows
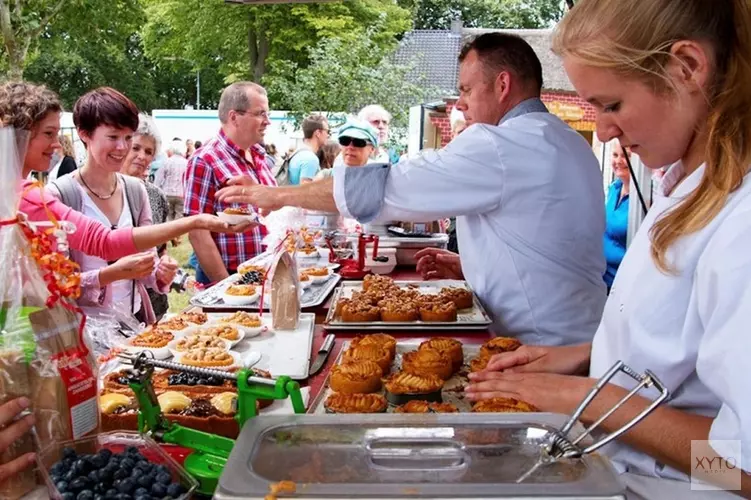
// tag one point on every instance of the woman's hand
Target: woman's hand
(568, 360)
(214, 224)
(11, 432)
(433, 263)
(166, 270)
(549, 392)
(132, 267)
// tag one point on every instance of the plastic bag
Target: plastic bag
(42, 352)
(285, 290)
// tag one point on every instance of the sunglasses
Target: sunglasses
(358, 143)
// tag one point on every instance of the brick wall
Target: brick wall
(442, 122)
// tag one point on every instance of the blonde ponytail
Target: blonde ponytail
(633, 37)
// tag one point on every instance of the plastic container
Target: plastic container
(377, 267)
(118, 442)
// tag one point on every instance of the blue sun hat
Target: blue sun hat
(359, 130)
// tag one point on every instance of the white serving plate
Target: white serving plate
(215, 320)
(158, 352)
(240, 300)
(172, 346)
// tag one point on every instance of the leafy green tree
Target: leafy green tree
(343, 76)
(438, 14)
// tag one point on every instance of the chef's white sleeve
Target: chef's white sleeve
(723, 300)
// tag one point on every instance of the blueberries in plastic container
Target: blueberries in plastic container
(126, 486)
(68, 496)
(69, 453)
(78, 484)
(61, 486)
(145, 481)
(85, 495)
(175, 490)
(165, 479)
(158, 490)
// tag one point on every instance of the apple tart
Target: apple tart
(461, 297)
(380, 339)
(152, 337)
(498, 345)
(207, 358)
(503, 405)
(174, 324)
(355, 403)
(352, 378)
(200, 342)
(402, 387)
(368, 352)
(450, 347)
(427, 361)
(419, 406)
(197, 318)
(479, 363)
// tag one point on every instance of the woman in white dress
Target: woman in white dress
(671, 80)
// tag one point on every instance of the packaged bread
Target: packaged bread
(285, 292)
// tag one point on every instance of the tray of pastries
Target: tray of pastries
(380, 303)
(376, 374)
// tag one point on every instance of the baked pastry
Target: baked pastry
(368, 352)
(394, 311)
(355, 403)
(190, 383)
(207, 358)
(360, 312)
(200, 341)
(317, 271)
(195, 317)
(419, 406)
(242, 318)
(174, 324)
(427, 361)
(450, 347)
(238, 211)
(352, 378)
(304, 278)
(241, 290)
(309, 250)
(227, 332)
(442, 312)
(461, 297)
(339, 307)
(258, 271)
(377, 281)
(380, 339)
(118, 382)
(225, 402)
(478, 363)
(402, 387)
(503, 405)
(366, 298)
(498, 345)
(113, 403)
(152, 337)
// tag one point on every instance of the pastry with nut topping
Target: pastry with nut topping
(209, 358)
(199, 342)
(461, 297)
(438, 312)
(360, 312)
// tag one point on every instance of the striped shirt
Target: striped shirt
(208, 170)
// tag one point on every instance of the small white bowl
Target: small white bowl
(238, 361)
(248, 331)
(314, 256)
(320, 279)
(240, 300)
(306, 284)
(236, 218)
(200, 330)
(158, 352)
(172, 346)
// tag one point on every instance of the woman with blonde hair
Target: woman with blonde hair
(670, 80)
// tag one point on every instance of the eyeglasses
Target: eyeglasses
(255, 114)
(358, 143)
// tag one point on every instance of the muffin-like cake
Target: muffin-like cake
(479, 363)
(359, 312)
(427, 361)
(376, 281)
(503, 405)
(499, 345)
(352, 378)
(368, 352)
(393, 311)
(450, 347)
(441, 312)
(355, 403)
(379, 339)
(461, 297)
(419, 406)
(402, 387)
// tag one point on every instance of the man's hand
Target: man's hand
(244, 190)
(564, 360)
(11, 432)
(214, 224)
(433, 263)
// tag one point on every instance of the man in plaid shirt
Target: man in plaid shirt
(244, 114)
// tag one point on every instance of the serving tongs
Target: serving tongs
(558, 445)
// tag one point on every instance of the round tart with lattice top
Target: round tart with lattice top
(438, 311)
(355, 403)
(503, 405)
(352, 378)
(207, 358)
(427, 361)
(380, 339)
(448, 346)
(420, 406)
(153, 338)
(498, 345)
(368, 352)
(402, 387)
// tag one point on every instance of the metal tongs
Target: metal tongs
(559, 446)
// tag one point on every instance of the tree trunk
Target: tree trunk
(258, 49)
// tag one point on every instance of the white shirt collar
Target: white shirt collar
(675, 180)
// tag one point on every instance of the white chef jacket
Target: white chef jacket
(692, 328)
(530, 205)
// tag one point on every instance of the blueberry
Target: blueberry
(175, 490)
(145, 481)
(126, 486)
(85, 495)
(105, 454)
(128, 463)
(61, 486)
(165, 479)
(123, 496)
(163, 469)
(100, 488)
(136, 473)
(82, 466)
(110, 493)
(79, 484)
(122, 473)
(106, 475)
(58, 469)
(93, 476)
(69, 453)
(143, 497)
(99, 497)
(70, 476)
(68, 496)
(98, 462)
(158, 490)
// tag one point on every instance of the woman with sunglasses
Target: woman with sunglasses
(669, 79)
(358, 141)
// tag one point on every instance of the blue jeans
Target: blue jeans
(193, 261)
(201, 276)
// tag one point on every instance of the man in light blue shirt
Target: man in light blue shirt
(304, 163)
(526, 190)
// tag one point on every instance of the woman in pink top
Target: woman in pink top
(37, 109)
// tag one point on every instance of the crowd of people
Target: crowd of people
(525, 191)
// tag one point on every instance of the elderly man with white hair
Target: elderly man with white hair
(379, 118)
(169, 179)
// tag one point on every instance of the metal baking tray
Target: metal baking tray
(475, 319)
(450, 393)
